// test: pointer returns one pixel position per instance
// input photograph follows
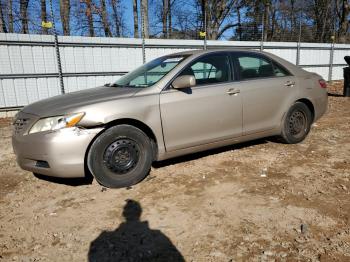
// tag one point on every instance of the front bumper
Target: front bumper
(63, 150)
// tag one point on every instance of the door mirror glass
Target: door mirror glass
(184, 81)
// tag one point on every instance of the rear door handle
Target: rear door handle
(233, 91)
(289, 84)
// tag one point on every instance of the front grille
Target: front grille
(20, 124)
(23, 122)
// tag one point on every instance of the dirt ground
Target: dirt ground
(212, 206)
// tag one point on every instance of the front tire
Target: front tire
(121, 156)
(296, 124)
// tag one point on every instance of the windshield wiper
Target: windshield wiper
(117, 85)
(131, 86)
(114, 85)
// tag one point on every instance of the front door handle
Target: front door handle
(233, 91)
(289, 84)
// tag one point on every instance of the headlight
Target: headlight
(57, 122)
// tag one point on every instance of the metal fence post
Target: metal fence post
(298, 44)
(262, 33)
(205, 29)
(298, 54)
(143, 35)
(59, 65)
(331, 56)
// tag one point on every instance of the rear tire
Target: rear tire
(120, 157)
(296, 124)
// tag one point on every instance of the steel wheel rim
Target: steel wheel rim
(121, 156)
(297, 123)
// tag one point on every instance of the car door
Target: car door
(208, 112)
(267, 91)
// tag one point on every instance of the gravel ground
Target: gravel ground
(257, 201)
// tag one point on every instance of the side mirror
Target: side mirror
(184, 81)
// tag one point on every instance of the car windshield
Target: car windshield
(149, 73)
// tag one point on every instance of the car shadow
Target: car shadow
(194, 156)
(66, 181)
(335, 95)
(133, 240)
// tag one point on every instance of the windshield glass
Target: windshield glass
(149, 73)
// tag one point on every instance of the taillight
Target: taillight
(323, 84)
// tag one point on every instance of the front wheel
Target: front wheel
(120, 157)
(296, 124)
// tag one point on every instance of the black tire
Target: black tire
(296, 124)
(120, 157)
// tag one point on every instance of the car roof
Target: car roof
(208, 51)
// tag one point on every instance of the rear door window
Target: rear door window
(254, 66)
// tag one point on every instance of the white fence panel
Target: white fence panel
(28, 64)
(43, 89)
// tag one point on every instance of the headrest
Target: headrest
(188, 71)
(249, 73)
(221, 75)
(266, 70)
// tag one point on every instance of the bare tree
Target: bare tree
(24, 15)
(103, 14)
(165, 18)
(136, 19)
(117, 17)
(318, 20)
(343, 12)
(10, 16)
(44, 30)
(144, 11)
(170, 25)
(2, 20)
(266, 22)
(271, 32)
(185, 22)
(65, 16)
(322, 16)
(293, 16)
(88, 13)
(216, 12)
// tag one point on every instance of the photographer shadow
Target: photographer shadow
(133, 240)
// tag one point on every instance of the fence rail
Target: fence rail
(28, 64)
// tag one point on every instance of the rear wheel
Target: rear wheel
(296, 123)
(120, 157)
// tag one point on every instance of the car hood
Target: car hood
(69, 103)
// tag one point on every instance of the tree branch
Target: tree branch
(225, 28)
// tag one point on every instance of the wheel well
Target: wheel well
(309, 104)
(133, 122)
(138, 124)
